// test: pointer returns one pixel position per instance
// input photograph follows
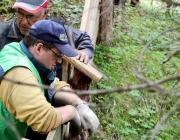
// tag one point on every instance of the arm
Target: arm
(88, 118)
(82, 42)
(79, 40)
(29, 105)
(65, 98)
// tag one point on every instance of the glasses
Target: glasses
(58, 56)
(30, 18)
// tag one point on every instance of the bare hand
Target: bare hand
(82, 56)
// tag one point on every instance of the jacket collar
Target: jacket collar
(46, 74)
(14, 30)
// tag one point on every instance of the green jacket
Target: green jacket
(11, 56)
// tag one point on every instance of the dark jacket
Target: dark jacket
(78, 39)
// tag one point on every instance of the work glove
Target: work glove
(88, 118)
(76, 125)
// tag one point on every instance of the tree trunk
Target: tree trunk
(105, 26)
(134, 2)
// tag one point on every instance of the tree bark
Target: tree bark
(134, 2)
(80, 82)
(105, 26)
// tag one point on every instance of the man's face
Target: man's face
(25, 19)
(49, 57)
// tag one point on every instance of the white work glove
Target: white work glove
(88, 118)
(76, 125)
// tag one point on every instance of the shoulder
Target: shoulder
(15, 77)
(6, 28)
(20, 74)
(5, 25)
(58, 20)
(7, 22)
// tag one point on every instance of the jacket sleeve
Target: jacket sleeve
(80, 40)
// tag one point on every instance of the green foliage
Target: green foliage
(5, 6)
(133, 115)
(68, 10)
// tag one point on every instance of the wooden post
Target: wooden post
(90, 19)
(65, 71)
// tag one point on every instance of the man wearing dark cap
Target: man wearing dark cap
(27, 12)
(30, 11)
(32, 61)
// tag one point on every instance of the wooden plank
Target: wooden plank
(90, 19)
(87, 69)
(57, 134)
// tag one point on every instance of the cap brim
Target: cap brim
(27, 7)
(66, 49)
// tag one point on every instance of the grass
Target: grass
(134, 114)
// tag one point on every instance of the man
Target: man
(32, 61)
(30, 11)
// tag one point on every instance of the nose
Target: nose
(24, 20)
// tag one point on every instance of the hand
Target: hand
(76, 125)
(89, 120)
(82, 56)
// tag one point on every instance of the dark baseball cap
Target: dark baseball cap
(54, 33)
(31, 6)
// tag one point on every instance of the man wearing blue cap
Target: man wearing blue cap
(32, 61)
(30, 11)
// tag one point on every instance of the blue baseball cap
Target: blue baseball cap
(52, 32)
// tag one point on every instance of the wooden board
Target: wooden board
(56, 134)
(87, 69)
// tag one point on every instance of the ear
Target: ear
(38, 48)
(46, 13)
